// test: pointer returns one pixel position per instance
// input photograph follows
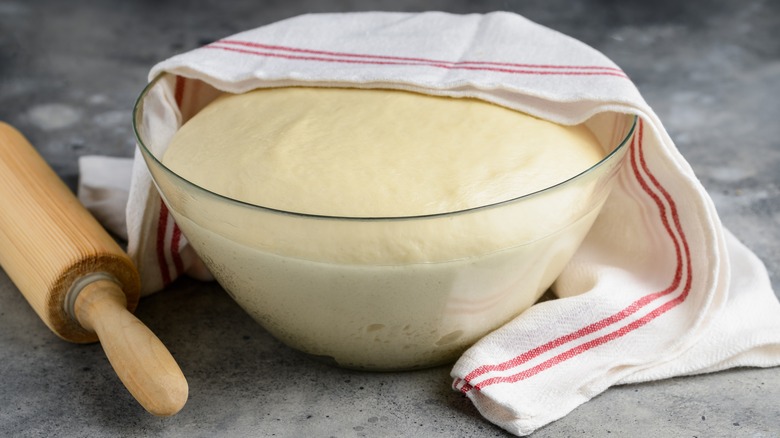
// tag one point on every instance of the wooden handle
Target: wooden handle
(141, 361)
(48, 242)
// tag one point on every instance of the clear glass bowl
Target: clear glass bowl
(395, 307)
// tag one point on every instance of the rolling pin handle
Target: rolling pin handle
(144, 365)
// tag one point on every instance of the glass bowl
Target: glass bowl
(394, 307)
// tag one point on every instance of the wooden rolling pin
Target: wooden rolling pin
(75, 276)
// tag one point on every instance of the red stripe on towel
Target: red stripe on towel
(414, 59)
(176, 255)
(444, 65)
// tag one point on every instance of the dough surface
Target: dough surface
(373, 153)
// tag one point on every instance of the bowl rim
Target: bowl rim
(137, 107)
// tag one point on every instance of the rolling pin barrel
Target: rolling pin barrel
(76, 277)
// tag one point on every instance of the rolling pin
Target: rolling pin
(75, 276)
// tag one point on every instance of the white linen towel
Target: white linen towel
(658, 288)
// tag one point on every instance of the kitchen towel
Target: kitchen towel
(658, 289)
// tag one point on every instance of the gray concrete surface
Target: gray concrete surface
(69, 72)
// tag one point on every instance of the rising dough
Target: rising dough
(370, 153)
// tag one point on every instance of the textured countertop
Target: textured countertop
(69, 74)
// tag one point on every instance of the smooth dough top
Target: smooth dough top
(373, 152)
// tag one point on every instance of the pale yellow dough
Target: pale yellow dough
(370, 153)
(382, 294)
